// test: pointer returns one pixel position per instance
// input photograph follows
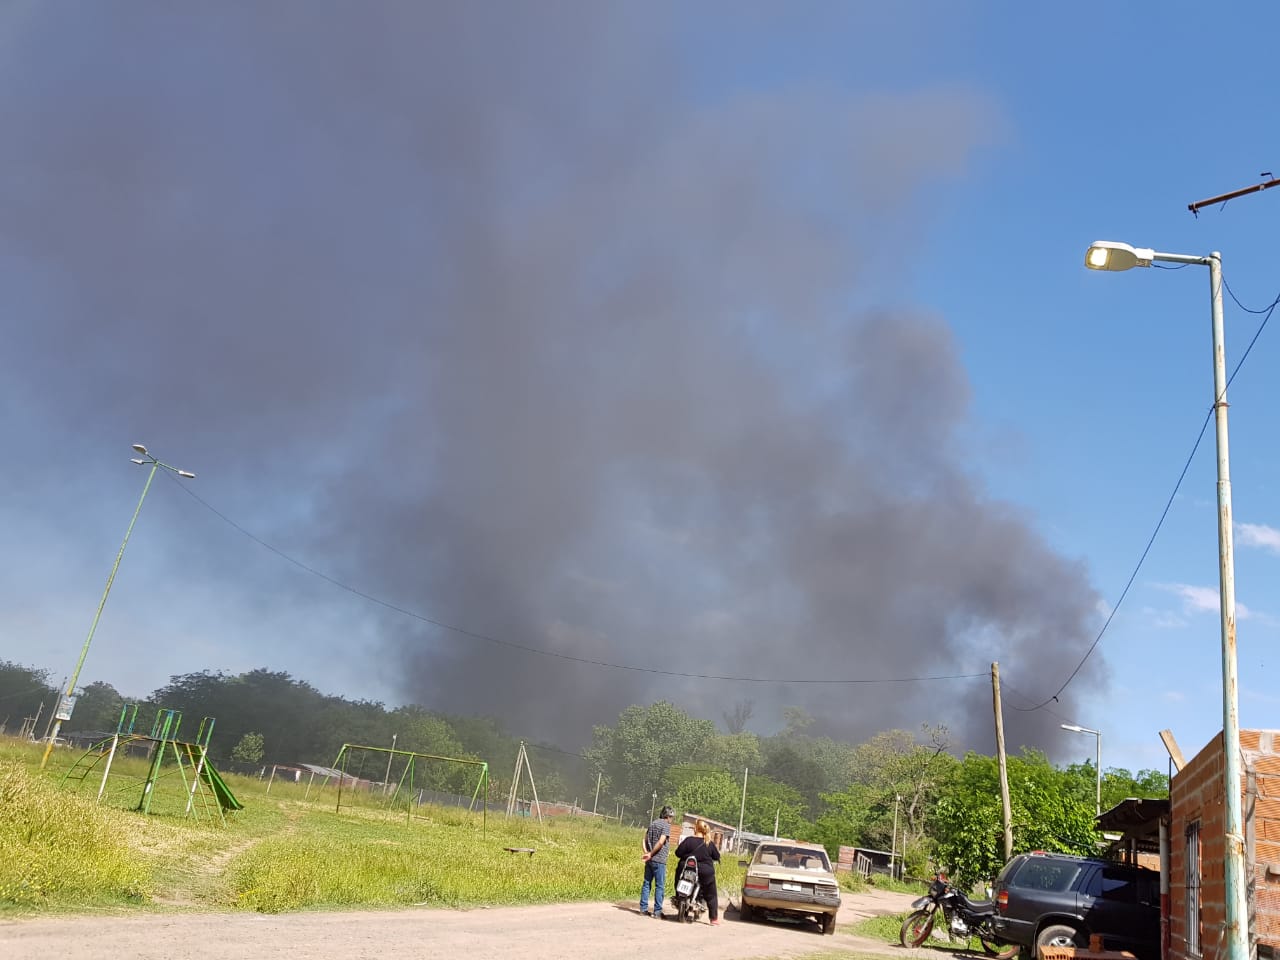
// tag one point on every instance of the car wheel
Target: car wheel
(1057, 935)
(828, 923)
(916, 928)
(744, 911)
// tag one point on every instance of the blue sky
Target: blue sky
(352, 272)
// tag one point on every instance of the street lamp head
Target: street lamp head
(141, 463)
(1110, 255)
(1072, 727)
(186, 473)
(140, 448)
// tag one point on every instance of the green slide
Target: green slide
(226, 799)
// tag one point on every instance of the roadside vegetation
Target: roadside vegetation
(61, 850)
(887, 929)
(901, 794)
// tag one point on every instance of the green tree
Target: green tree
(97, 709)
(714, 795)
(719, 796)
(636, 753)
(249, 750)
(22, 691)
(734, 752)
(811, 765)
(773, 804)
(1050, 811)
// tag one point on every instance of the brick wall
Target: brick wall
(1197, 795)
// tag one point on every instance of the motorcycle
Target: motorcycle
(689, 905)
(964, 919)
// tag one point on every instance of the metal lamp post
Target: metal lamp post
(64, 713)
(1108, 255)
(1075, 728)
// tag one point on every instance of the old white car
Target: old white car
(791, 880)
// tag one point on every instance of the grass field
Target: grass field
(61, 850)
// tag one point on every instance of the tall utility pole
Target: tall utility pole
(1237, 894)
(743, 808)
(1006, 814)
(596, 801)
(67, 704)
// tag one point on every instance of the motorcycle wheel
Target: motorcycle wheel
(916, 928)
(994, 948)
(684, 913)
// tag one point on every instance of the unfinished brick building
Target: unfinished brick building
(1194, 917)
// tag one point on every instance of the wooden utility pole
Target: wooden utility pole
(1006, 814)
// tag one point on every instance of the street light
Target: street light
(64, 708)
(1097, 763)
(654, 805)
(1106, 255)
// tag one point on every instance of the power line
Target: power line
(527, 648)
(1265, 312)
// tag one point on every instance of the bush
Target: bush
(61, 849)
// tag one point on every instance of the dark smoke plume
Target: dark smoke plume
(501, 314)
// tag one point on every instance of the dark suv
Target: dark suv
(1057, 900)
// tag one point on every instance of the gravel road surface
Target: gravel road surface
(595, 931)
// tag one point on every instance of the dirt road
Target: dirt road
(595, 931)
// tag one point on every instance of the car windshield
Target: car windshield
(793, 858)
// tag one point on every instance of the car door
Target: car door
(1112, 907)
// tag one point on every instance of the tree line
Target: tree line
(903, 791)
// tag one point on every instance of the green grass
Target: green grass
(62, 850)
(286, 850)
(884, 928)
(888, 928)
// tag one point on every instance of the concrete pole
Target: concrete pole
(1236, 932)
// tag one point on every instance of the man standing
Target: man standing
(654, 849)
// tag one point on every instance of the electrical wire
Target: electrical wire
(527, 648)
(1265, 312)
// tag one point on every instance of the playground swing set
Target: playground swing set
(190, 762)
(406, 789)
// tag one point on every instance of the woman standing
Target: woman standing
(700, 847)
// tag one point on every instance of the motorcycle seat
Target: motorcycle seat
(975, 906)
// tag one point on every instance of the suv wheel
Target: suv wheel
(1057, 935)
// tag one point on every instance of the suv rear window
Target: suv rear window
(1053, 875)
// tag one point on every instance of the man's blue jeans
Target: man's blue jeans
(657, 873)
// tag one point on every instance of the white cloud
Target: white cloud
(1174, 696)
(1201, 599)
(1258, 535)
